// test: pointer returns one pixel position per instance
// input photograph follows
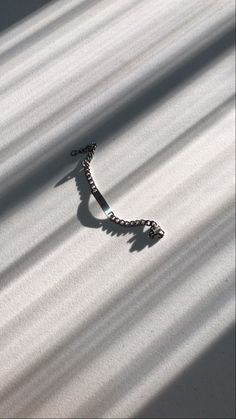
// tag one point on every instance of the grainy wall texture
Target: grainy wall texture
(100, 321)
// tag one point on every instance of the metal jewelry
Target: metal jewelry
(155, 230)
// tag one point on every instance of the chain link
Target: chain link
(155, 230)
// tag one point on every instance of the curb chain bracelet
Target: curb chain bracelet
(155, 230)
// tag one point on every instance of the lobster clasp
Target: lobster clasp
(156, 232)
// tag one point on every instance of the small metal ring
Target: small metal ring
(74, 153)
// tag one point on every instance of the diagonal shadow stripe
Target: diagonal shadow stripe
(131, 375)
(150, 47)
(45, 247)
(205, 389)
(49, 28)
(13, 83)
(195, 250)
(64, 232)
(157, 91)
(12, 11)
(108, 394)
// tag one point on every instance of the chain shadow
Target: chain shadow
(139, 238)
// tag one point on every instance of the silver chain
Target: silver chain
(155, 230)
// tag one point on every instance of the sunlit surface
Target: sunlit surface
(98, 321)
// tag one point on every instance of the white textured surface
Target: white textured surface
(95, 323)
